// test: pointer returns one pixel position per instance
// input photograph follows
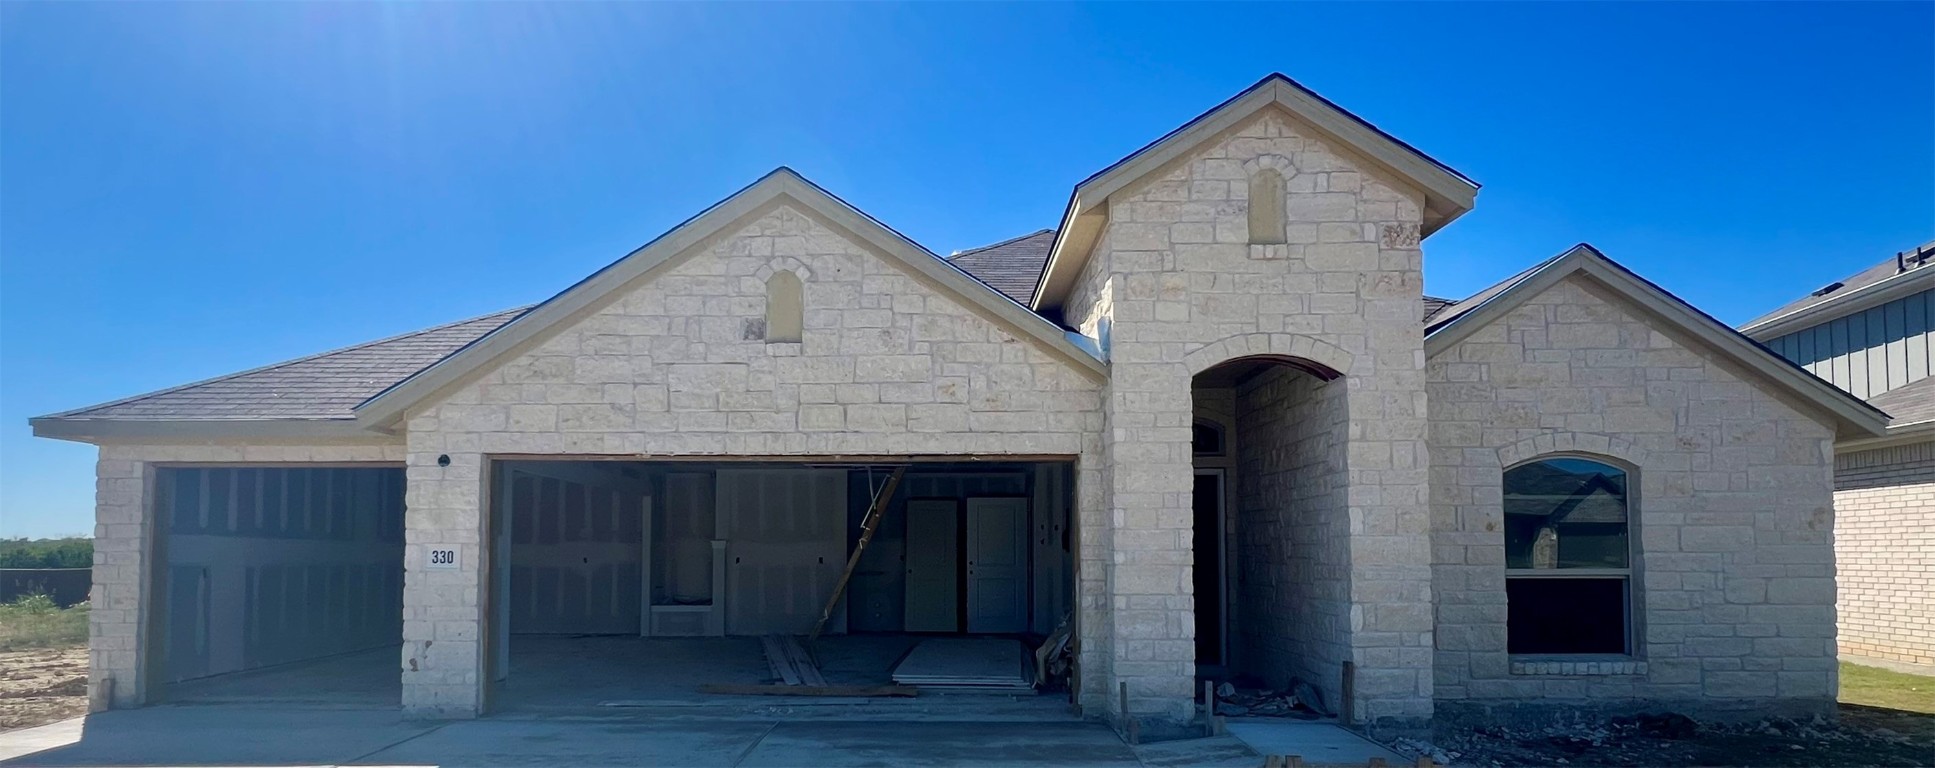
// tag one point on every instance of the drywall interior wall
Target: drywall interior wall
(577, 548)
(269, 565)
(786, 545)
(682, 532)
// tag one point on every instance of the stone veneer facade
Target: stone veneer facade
(887, 366)
(1884, 549)
(1733, 521)
(1369, 548)
(1175, 288)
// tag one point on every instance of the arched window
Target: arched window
(1266, 207)
(1206, 439)
(1568, 557)
(785, 308)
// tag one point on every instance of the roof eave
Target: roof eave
(97, 431)
(1880, 292)
(1897, 434)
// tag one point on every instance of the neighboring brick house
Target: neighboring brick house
(1870, 334)
(1244, 443)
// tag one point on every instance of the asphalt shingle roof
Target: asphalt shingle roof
(1909, 403)
(1011, 266)
(324, 386)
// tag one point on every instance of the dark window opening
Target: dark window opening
(1207, 439)
(1549, 615)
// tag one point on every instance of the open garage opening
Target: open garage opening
(1272, 525)
(278, 584)
(628, 584)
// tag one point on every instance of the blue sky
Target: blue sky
(188, 190)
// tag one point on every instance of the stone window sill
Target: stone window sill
(1577, 666)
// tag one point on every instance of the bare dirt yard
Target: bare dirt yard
(43, 662)
(42, 686)
(1886, 719)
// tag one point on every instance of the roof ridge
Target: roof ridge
(282, 364)
(1011, 240)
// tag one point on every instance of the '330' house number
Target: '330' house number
(440, 559)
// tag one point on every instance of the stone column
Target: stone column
(118, 611)
(443, 618)
(1390, 521)
(1152, 608)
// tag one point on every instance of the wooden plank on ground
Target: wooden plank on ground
(779, 660)
(809, 671)
(738, 689)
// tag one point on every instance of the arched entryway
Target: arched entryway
(1270, 512)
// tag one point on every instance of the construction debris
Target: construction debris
(1054, 658)
(789, 661)
(1301, 702)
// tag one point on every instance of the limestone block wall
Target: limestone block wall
(1293, 522)
(1734, 561)
(1176, 287)
(1884, 551)
(124, 527)
(674, 365)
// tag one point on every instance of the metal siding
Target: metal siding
(1894, 320)
(1877, 352)
(1915, 319)
(1869, 352)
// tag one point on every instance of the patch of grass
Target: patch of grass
(1887, 689)
(35, 621)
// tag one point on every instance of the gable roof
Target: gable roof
(1011, 266)
(1896, 276)
(1448, 193)
(1852, 417)
(319, 388)
(781, 185)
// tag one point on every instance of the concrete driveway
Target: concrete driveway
(227, 735)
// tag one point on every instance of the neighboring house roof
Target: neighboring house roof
(1853, 417)
(1911, 403)
(1448, 193)
(1897, 276)
(1433, 305)
(1011, 266)
(321, 387)
(781, 185)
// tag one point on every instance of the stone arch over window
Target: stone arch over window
(1323, 359)
(785, 308)
(1584, 443)
(1268, 175)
